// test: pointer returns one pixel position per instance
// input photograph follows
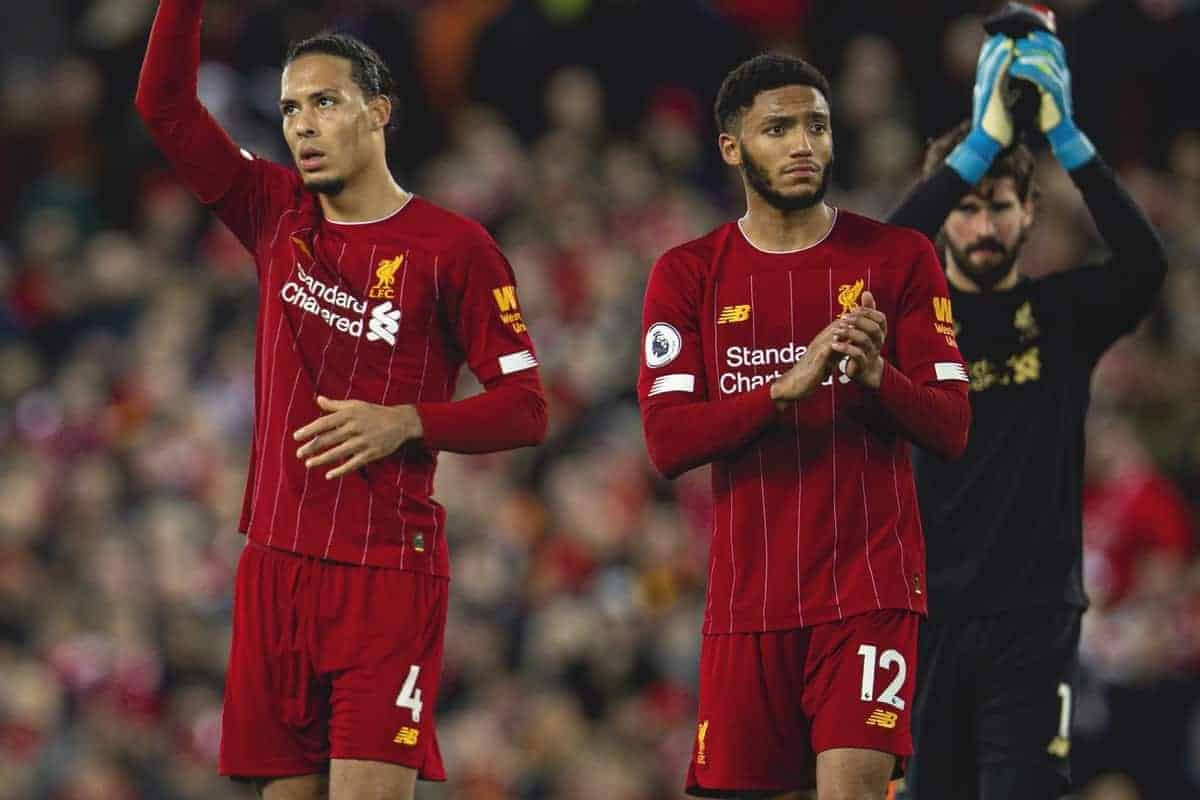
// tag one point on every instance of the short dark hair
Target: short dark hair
(367, 69)
(1015, 161)
(761, 74)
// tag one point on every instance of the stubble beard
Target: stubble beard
(758, 179)
(326, 186)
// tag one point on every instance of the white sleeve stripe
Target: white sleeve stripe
(672, 383)
(949, 371)
(515, 362)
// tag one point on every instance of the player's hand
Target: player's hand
(991, 122)
(860, 338)
(1041, 60)
(809, 371)
(355, 433)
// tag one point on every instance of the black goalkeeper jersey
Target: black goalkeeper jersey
(1003, 523)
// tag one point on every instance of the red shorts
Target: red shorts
(331, 660)
(769, 702)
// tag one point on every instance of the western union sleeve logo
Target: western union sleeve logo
(506, 298)
(944, 317)
(733, 314)
(941, 310)
(882, 719)
(510, 312)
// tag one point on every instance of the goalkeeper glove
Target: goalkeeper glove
(991, 123)
(1041, 60)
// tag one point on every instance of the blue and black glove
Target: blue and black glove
(991, 123)
(1041, 60)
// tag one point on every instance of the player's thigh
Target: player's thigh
(859, 681)
(300, 787)
(383, 649)
(850, 773)
(1026, 693)
(752, 739)
(274, 722)
(353, 779)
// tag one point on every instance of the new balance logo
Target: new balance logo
(733, 314)
(384, 323)
(882, 719)
(407, 736)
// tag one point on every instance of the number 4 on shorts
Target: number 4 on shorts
(410, 695)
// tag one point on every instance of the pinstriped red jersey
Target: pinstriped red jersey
(815, 514)
(386, 312)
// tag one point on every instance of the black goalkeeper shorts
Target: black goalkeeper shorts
(993, 708)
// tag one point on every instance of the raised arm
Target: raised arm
(928, 204)
(1112, 297)
(242, 189)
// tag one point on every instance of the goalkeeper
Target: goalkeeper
(998, 653)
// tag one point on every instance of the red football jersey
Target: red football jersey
(383, 311)
(815, 514)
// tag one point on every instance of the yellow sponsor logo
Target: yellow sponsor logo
(701, 732)
(385, 278)
(945, 324)
(407, 736)
(510, 312)
(733, 314)
(506, 298)
(882, 719)
(848, 294)
(1024, 322)
(941, 310)
(1059, 747)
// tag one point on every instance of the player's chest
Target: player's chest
(1009, 345)
(789, 306)
(353, 293)
(759, 324)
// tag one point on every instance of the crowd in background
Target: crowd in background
(579, 132)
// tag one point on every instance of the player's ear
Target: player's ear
(380, 110)
(731, 153)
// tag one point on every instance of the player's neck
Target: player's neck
(374, 195)
(773, 230)
(963, 282)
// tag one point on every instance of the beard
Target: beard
(986, 276)
(756, 176)
(327, 186)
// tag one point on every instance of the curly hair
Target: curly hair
(761, 74)
(1015, 161)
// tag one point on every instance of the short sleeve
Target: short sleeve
(926, 347)
(484, 311)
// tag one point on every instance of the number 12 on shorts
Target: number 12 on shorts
(872, 660)
(410, 695)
